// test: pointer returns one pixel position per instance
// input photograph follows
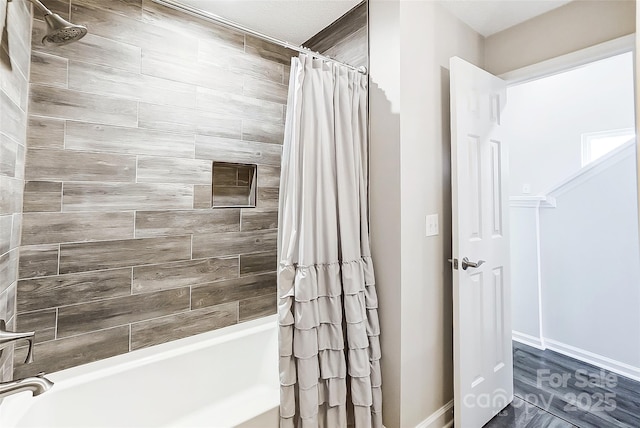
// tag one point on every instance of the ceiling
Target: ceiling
(488, 17)
(296, 21)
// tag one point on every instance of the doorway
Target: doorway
(575, 260)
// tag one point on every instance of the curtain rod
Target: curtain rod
(230, 24)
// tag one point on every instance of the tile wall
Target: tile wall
(347, 39)
(120, 247)
(15, 20)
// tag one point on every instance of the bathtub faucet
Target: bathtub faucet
(8, 337)
(36, 384)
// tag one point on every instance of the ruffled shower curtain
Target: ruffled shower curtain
(328, 319)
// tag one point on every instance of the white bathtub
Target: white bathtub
(224, 378)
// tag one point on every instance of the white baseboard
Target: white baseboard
(441, 418)
(527, 339)
(595, 359)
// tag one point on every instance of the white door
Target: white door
(483, 370)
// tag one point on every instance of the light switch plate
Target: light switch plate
(526, 189)
(432, 225)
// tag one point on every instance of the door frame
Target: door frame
(572, 60)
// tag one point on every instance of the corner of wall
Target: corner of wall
(14, 71)
(411, 44)
(384, 122)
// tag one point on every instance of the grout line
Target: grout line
(137, 167)
(130, 337)
(107, 299)
(36, 311)
(58, 267)
(11, 238)
(182, 311)
(83, 333)
(114, 240)
(64, 134)
(55, 326)
(221, 257)
(13, 139)
(111, 152)
(111, 96)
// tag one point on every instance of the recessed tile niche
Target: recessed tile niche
(234, 185)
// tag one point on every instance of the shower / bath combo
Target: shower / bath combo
(59, 32)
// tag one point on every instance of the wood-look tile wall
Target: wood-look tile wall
(15, 20)
(121, 249)
(346, 39)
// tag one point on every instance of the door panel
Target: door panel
(483, 378)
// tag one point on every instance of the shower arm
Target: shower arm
(43, 8)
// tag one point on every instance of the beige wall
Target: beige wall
(410, 47)
(14, 72)
(384, 125)
(577, 25)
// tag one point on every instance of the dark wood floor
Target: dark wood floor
(555, 391)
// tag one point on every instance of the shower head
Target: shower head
(60, 32)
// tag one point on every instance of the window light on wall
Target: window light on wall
(598, 144)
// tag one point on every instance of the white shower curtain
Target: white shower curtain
(328, 319)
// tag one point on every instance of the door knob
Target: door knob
(467, 264)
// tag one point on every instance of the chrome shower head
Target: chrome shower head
(60, 32)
